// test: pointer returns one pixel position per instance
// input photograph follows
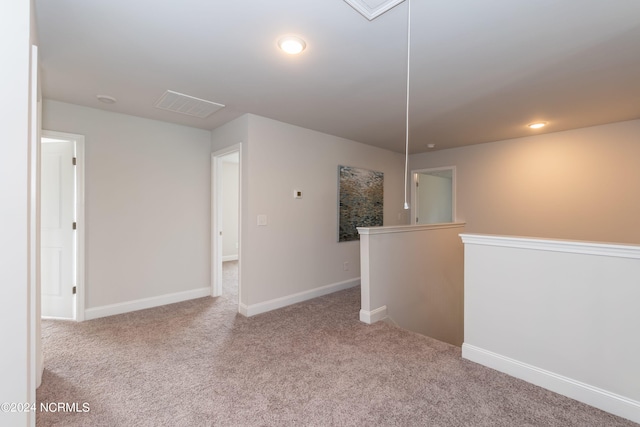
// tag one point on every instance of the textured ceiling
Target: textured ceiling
(480, 70)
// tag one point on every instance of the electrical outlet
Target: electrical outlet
(345, 266)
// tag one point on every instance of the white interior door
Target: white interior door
(433, 195)
(57, 229)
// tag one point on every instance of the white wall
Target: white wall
(147, 205)
(230, 224)
(298, 251)
(581, 184)
(560, 314)
(15, 298)
(414, 276)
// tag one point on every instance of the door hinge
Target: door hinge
(74, 290)
(74, 161)
(75, 225)
(417, 183)
(416, 220)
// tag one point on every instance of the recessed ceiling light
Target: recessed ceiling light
(106, 99)
(292, 45)
(537, 125)
(431, 145)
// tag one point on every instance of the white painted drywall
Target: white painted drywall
(15, 297)
(563, 315)
(147, 204)
(416, 272)
(298, 250)
(230, 182)
(581, 184)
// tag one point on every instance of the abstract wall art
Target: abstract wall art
(361, 201)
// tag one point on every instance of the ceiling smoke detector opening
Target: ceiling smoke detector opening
(106, 99)
(188, 105)
(371, 9)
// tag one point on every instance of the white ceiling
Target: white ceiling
(481, 70)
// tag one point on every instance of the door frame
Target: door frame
(79, 256)
(216, 219)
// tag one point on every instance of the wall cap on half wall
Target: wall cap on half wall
(555, 245)
(408, 228)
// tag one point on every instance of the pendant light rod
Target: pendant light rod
(406, 137)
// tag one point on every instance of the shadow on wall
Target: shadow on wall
(414, 277)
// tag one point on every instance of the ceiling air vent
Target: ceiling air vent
(371, 9)
(185, 104)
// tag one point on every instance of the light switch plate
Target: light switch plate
(297, 194)
(262, 219)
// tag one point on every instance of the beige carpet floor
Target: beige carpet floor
(199, 363)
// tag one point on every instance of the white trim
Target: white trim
(141, 304)
(243, 309)
(229, 258)
(80, 229)
(56, 318)
(216, 270)
(554, 245)
(263, 307)
(36, 359)
(373, 316)
(408, 228)
(585, 393)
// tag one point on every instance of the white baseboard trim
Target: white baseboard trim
(263, 307)
(230, 258)
(243, 309)
(40, 373)
(585, 393)
(141, 304)
(373, 316)
(57, 318)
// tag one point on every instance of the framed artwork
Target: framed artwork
(360, 202)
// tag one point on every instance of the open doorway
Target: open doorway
(62, 225)
(434, 195)
(226, 201)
